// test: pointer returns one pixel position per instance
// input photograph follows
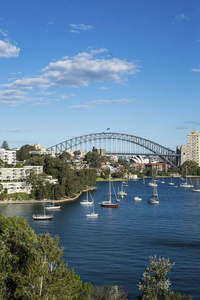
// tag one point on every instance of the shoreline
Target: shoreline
(44, 201)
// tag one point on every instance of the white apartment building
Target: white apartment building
(43, 151)
(16, 174)
(8, 156)
(193, 146)
(17, 187)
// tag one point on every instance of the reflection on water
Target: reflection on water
(114, 248)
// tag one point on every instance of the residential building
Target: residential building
(10, 174)
(8, 156)
(100, 151)
(193, 146)
(17, 187)
(43, 151)
(182, 151)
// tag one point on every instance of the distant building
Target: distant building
(193, 146)
(43, 151)
(159, 167)
(8, 156)
(17, 187)
(100, 151)
(182, 151)
(37, 146)
(10, 174)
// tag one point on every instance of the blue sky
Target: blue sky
(74, 67)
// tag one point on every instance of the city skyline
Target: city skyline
(70, 68)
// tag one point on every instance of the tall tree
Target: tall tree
(31, 267)
(5, 145)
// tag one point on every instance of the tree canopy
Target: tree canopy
(5, 145)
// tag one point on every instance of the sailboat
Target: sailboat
(121, 193)
(152, 183)
(162, 181)
(109, 202)
(155, 199)
(198, 188)
(86, 201)
(92, 214)
(42, 216)
(186, 184)
(52, 206)
(171, 183)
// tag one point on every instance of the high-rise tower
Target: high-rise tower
(193, 146)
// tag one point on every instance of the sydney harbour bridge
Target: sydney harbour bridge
(116, 144)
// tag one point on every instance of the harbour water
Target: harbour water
(114, 248)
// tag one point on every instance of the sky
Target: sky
(75, 67)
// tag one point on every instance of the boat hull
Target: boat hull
(153, 201)
(111, 205)
(53, 207)
(86, 203)
(42, 217)
(92, 215)
(138, 199)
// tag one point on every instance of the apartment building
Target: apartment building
(16, 174)
(193, 146)
(8, 156)
(17, 187)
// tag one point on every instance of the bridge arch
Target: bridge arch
(150, 146)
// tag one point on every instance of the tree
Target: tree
(23, 152)
(154, 284)
(93, 158)
(5, 145)
(31, 267)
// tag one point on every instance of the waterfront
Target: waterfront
(114, 248)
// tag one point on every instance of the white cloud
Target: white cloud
(8, 50)
(76, 28)
(196, 70)
(104, 88)
(12, 97)
(78, 71)
(180, 17)
(81, 107)
(100, 102)
(10, 130)
(124, 101)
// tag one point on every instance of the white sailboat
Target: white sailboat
(121, 193)
(92, 214)
(52, 206)
(155, 199)
(109, 202)
(186, 184)
(152, 183)
(43, 216)
(86, 201)
(137, 199)
(162, 181)
(171, 182)
(197, 189)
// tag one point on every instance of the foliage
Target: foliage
(94, 159)
(154, 284)
(31, 267)
(35, 160)
(5, 145)
(23, 152)
(108, 292)
(192, 168)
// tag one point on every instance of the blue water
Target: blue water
(114, 248)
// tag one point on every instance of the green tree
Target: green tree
(23, 152)
(154, 284)
(5, 145)
(93, 158)
(31, 267)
